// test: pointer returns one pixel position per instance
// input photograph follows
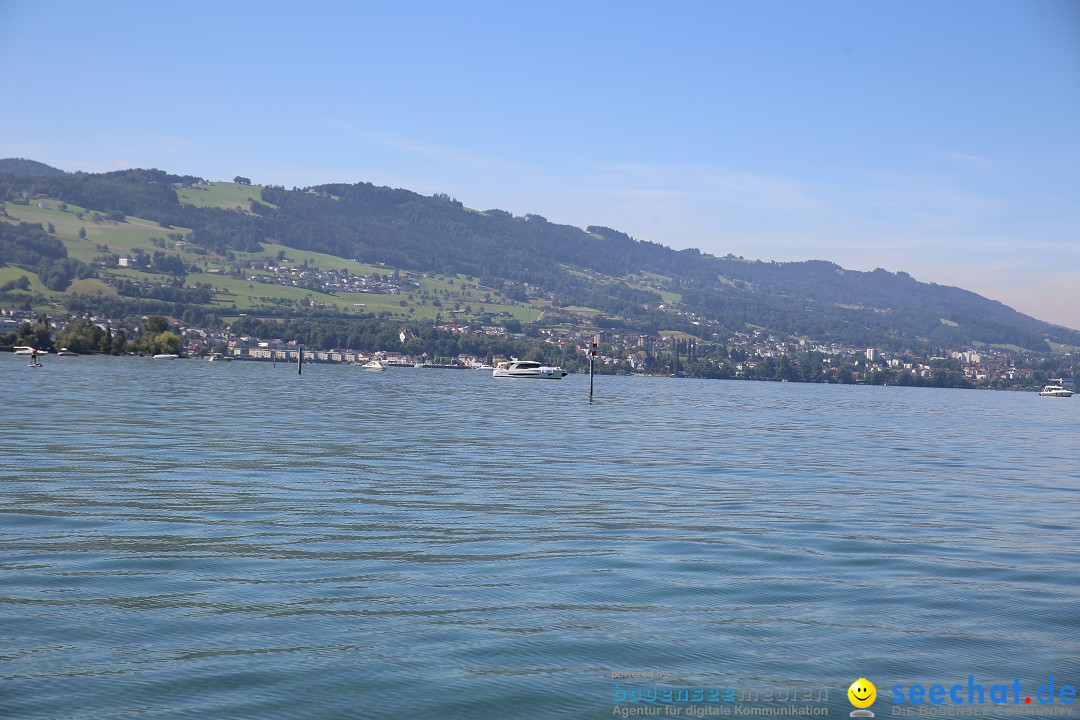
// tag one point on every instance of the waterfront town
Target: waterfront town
(750, 355)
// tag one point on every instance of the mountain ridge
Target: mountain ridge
(25, 167)
(620, 281)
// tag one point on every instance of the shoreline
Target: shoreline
(432, 366)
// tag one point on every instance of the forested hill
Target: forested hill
(813, 299)
(633, 284)
(22, 166)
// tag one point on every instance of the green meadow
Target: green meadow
(295, 258)
(10, 273)
(226, 195)
(121, 237)
(666, 296)
(108, 237)
(90, 286)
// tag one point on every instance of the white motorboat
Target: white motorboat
(166, 356)
(64, 352)
(1055, 391)
(218, 357)
(27, 350)
(528, 369)
(375, 365)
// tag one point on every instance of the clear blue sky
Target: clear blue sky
(940, 138)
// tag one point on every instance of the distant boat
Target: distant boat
(27, 350)
(67, 353)
(166, 356)
(527, 369)
(215, 357)
(1055, 391)
(375, 365)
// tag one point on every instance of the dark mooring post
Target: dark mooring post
(300, 361)
(592, 361)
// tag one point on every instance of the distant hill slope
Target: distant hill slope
(812, 299)
(598, 274)
(22, 166)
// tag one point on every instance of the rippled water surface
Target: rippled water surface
(183, 539)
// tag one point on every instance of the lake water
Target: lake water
(183, 539)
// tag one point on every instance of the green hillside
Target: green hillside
(213, 251)
(225, 195)
(22, 166)
(90, 237)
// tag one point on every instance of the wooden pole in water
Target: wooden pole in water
(592, 361)
(300, 361)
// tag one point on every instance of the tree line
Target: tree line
(30, 247)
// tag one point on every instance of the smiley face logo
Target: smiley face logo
(862, 693)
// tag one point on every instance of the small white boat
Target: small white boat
(527, 369)
(27, 350)
(218, 357)
(64, 352)
(375, 365)
(1055, 391)
(166, 356)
